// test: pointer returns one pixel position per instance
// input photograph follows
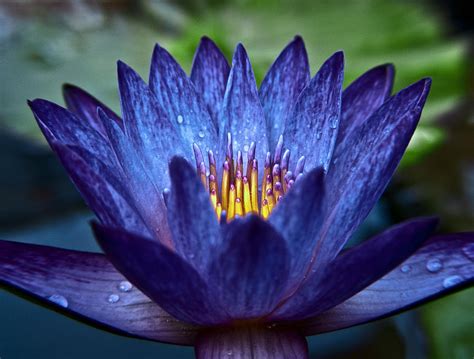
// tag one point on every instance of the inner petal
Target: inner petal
(239, 192)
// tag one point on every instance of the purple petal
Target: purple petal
(443, 265)
(60, 125)
(298, 219)
(250, 270)
(143, 189)
(85, 106)
(312, 128)
(191, 218)
(162, 275)
(242, 114)
(148, 128)
(357, 268)
(362, 98)
(209, 75)
(179, 100)
(251, 342)
(281, 86)
(359, 176)
(101, 189)
(88, 288)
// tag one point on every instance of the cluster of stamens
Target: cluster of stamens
(239, 190)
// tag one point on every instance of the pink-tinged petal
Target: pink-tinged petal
(176, 95)
(191, 218)
(311, 130)
(249, 272)
(261, 343)
(85, 106)
(298, 219)
(282, 85)
(103, 192)
(209, 75)
(360, 174)
(86, 287)
(162, 275)
(362, 98)
(356, 269)
(242, 114)
(443, 265)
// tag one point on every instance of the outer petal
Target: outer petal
(250, 271)
(191, 218)
(251, 343)
(87, 287)
(209, 75)
(60, 125)
(312, 128)
(177, 97)
(162, 275)
(101, 189)
(85, 106)
(362, 98)
(298, 218)
(242, 114)
(281, 86)
(357, 268)
(443, 265)
(359, 176)
(148, 128)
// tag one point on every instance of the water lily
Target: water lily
(223, 210)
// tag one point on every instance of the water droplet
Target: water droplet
(230, 353)
(468, 250)
(180, 119)
(113, 298)
(125, 286)
(452, 281)
(319, 134)
(434, 265)
(59, 300)
(405, 268)
(246, 148)
(201, 134)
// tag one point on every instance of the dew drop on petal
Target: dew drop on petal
(246, 148)
(405, 268)
(468, 250)
(452, 281)
(230, 353)
(180, 119)
(201, 134)
(113, 298)
(125, 286)
(434, 265)
(59, 300)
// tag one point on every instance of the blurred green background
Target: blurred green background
(44, 44)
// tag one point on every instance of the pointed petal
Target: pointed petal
(161, 274)
(148, 128)
(101, 189)
(144, 191)
(312, 128)
(281, 86)
(362, 98)
(357, 268)
(60, 125)
(251, 343)
(84, 105)
(87, 287)
(191, 218)
(359, 176)
(209, 75)
(176, 95)
(242, 114)
(443, 265)
(298, 219)
(250, 270)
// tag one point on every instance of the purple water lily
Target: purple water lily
(239, 255)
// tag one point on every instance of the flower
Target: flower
(252, 261)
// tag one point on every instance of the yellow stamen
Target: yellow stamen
(219, 211)
(231, 206)
(265, 209)
(225, 185)
(238, 184)
(239, 210)
(247, 202)
(254, 186)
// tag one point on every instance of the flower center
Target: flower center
(238, 192)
